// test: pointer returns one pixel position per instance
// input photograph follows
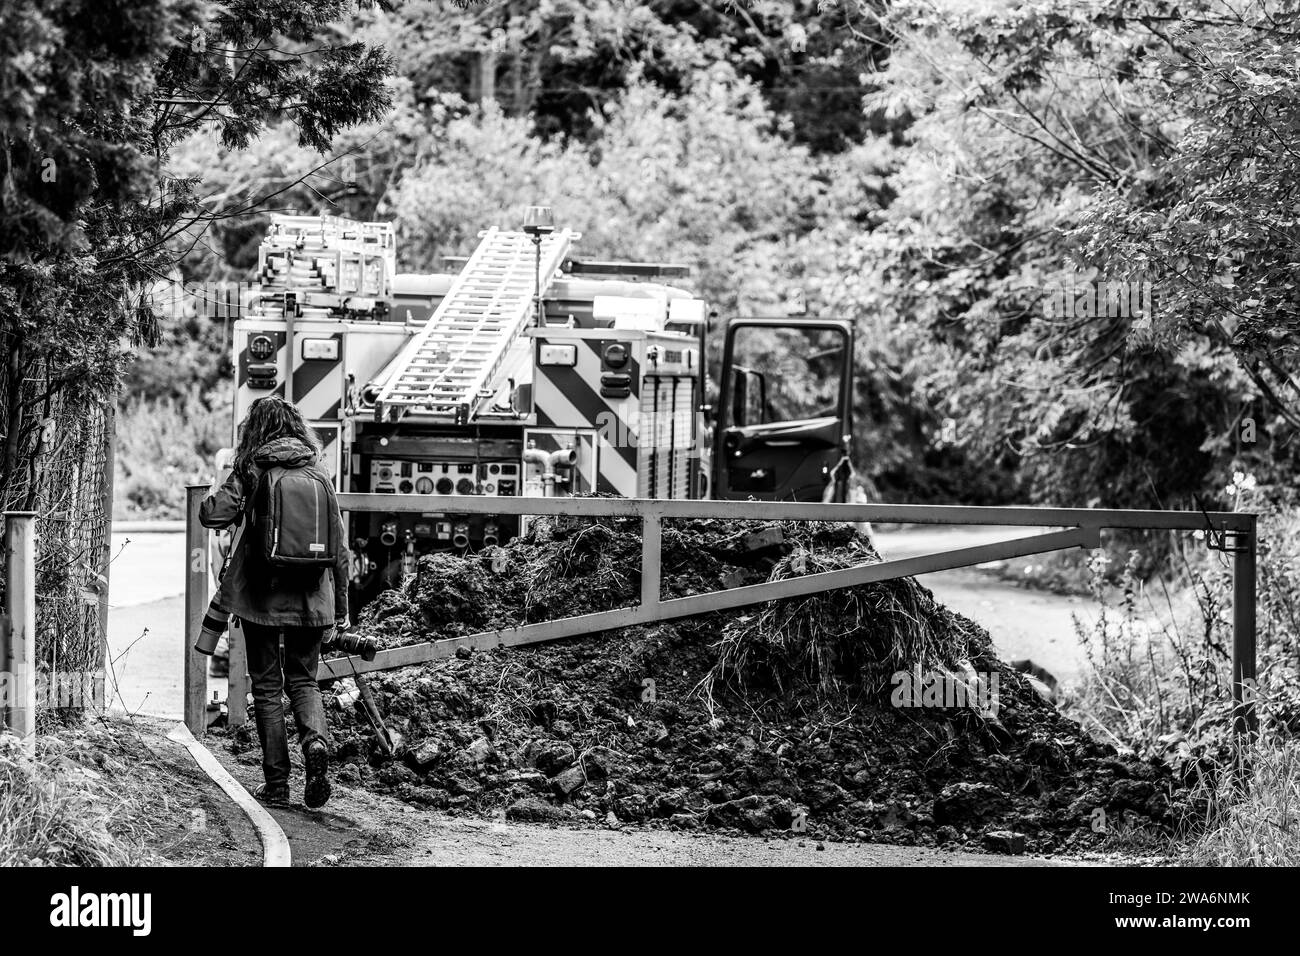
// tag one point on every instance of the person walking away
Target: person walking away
(286, 576)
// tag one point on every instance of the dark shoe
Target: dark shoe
(276, 795)
(317, 791)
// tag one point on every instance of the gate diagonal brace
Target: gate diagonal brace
(652, 609)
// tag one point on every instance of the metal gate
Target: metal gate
(1232, 532)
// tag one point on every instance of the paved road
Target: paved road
(1023, 623)
(145, 624)
(147, 611)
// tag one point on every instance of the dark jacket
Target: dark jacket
(251, 588)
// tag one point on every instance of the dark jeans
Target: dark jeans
(269, 677)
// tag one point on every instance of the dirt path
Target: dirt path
(442, 842)
(359, 828)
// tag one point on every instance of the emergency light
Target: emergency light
(539, 221)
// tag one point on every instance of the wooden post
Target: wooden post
(196, 605)
(1245, 720)
(18, 650)
(237, 681)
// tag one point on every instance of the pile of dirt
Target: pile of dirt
(786, 717)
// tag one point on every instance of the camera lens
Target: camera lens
(365, 647)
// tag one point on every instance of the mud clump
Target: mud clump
(783, 717)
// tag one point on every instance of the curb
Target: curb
(275, 845)
(147, 527)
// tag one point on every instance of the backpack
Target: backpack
(295, 510)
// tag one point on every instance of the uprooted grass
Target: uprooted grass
(848, 638)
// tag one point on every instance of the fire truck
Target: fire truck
(528, 370)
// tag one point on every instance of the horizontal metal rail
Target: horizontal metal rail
(1082, 527)
(801, 511)
(652, 608)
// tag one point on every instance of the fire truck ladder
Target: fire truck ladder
(449, 366)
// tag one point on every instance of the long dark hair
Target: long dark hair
(270, 418)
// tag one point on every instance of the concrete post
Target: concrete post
(18, 636)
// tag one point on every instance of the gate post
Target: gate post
(237, 677)
(1245, 720)
(18, 633)
(196, 605)
(651, 542)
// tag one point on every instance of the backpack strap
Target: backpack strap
(245, 519)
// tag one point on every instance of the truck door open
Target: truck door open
(785, 419)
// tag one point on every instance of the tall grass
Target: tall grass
(1159, 654)
(1252, 819)
(1156, 683)
(1159, 683)
(56, 814)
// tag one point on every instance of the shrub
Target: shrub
(1160, 660)
(163, 445)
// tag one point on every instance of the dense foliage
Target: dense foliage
(94, 96)
(947, 176)
(1069, 147)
